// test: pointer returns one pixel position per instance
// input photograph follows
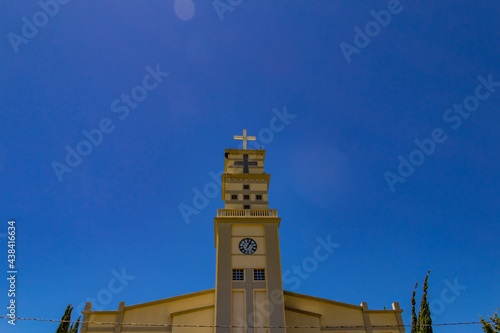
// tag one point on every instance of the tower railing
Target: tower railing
(247, 213)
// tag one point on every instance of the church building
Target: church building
(248, 296)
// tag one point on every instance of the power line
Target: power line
(239, 326)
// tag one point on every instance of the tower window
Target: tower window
(238, 274)
(234, 196)
(246, 206)
(258, 197)
(246, 187)
(259, 275)
(246, 197)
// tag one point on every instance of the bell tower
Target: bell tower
(249, 288)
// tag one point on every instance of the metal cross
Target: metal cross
(245, 163)
(244, 138)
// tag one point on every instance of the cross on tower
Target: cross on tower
(245, 163)
(244, 138)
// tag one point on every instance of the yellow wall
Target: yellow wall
(102, 317)
(260, 311)
(238, 313)
(299, 319)
(202, 317)
(198, 309)
(240, 260)
(301, 310)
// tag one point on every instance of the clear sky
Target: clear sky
(380, 124)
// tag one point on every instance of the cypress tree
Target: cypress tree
(493, 327)
(424, 316)
(74, 328)
(64, 326)
(414, 319)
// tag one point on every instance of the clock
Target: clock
(248, 246)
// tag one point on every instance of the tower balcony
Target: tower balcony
(247, 213)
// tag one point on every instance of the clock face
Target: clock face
(248, 246)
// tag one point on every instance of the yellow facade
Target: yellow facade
(248, 295)
(197, 309)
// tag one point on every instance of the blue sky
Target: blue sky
(384, 141)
